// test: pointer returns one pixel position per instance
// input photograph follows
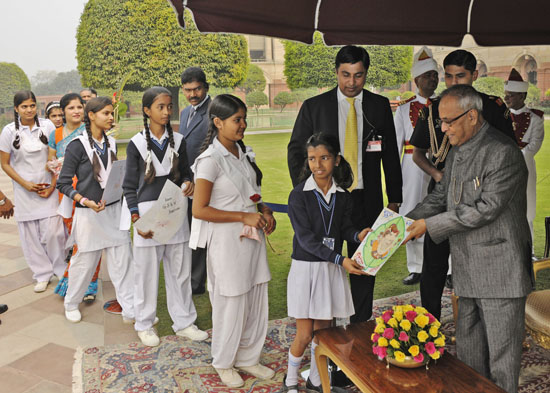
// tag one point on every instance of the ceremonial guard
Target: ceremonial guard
(415, 181)
(529, 132)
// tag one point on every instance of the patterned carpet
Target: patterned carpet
(180, 365)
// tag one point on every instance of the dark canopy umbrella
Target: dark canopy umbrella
(384, 22)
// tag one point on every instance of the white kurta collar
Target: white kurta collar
(311, 185)
(520, 110)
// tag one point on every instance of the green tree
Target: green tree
(256, 99)
(12, 79)
(283, 99)
(313, 65)
(491, 85)
(533, 96)
(142, 38)
(406, 95)
(300, 95)
(255, 80)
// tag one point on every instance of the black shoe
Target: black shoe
(449, 282)
(285, 388)
(412, 278)
(334, 389)
(3, 308)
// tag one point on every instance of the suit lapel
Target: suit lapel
(195, 121)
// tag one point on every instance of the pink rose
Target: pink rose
(375, 337)
(387, 316)
(375, 350)
(388, 333)
(403, 336)
(441, 350)
(411, 315)
(430, 347)
(431, 318)
(419, 358)
(382, 352)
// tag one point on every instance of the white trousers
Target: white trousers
(43, 244)
(239, 327)
(176, 261)
(119, 262)
(415, 254)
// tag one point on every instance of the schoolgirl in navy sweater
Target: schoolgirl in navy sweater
(154, 156)
(319, 209)
(95, 225)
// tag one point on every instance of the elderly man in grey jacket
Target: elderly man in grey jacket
(480, 206)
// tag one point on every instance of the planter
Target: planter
(408, 363)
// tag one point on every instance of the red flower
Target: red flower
(256, 198)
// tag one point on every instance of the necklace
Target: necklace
(439, 152)
(454, 191)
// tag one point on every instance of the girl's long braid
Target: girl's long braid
(259, 174)
(107, 145)
(211, 134)
(151, 173)
(174, 171)
(43, 138)
(17, 139)
(96, 166)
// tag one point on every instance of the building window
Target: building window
(257, 47)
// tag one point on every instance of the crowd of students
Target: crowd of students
(65, 233)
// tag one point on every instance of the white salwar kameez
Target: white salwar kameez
(237, 268)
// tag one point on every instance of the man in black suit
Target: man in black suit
(376, 142)
(193, 127)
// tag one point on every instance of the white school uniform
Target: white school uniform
(237, 268)
(533, 135)
(175, 255)
(95, 233)
(318, 290)
(415, 180)
(42, 231)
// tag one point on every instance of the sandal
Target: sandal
(285, 388)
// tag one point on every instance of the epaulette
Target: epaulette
(496, 99)
(403, 102)
(537, 112)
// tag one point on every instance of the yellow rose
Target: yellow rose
(397, 309)
(421, 320)
(399, 356)
(398, 315)
(436, 355)
(392, 322)
(434, 331)
(422, 336)
(382, 342)
(420, 310)
(380, 328)
(414, 350)
(440, 341)
(405, 325)
(407, 307)
(394, 343)
(436, 323)
(379, 321)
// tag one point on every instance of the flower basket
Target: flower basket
(407, 336)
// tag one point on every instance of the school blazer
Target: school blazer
(320, 114)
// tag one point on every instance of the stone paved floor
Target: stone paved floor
(37, 343)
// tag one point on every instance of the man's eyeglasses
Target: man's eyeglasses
(450, 122)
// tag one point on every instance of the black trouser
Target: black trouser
(434, 272)
(198, 261)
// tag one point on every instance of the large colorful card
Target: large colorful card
(388, 233)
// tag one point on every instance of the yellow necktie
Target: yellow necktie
(350, 141)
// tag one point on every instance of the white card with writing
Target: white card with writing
(113, 188)
(166, 215)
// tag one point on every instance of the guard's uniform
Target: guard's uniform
(428, 135)
(529, 132)
(415, 180)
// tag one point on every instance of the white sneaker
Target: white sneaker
(192, 332)
(149, 337)
(258, 370)
(230, 377)
(73, 316)
(41, 286)
(132, 320)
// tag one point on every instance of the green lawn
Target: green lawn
(271, 155)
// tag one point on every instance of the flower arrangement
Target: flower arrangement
(408, 331)
(256, 198)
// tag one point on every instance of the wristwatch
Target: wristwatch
(3, 201)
